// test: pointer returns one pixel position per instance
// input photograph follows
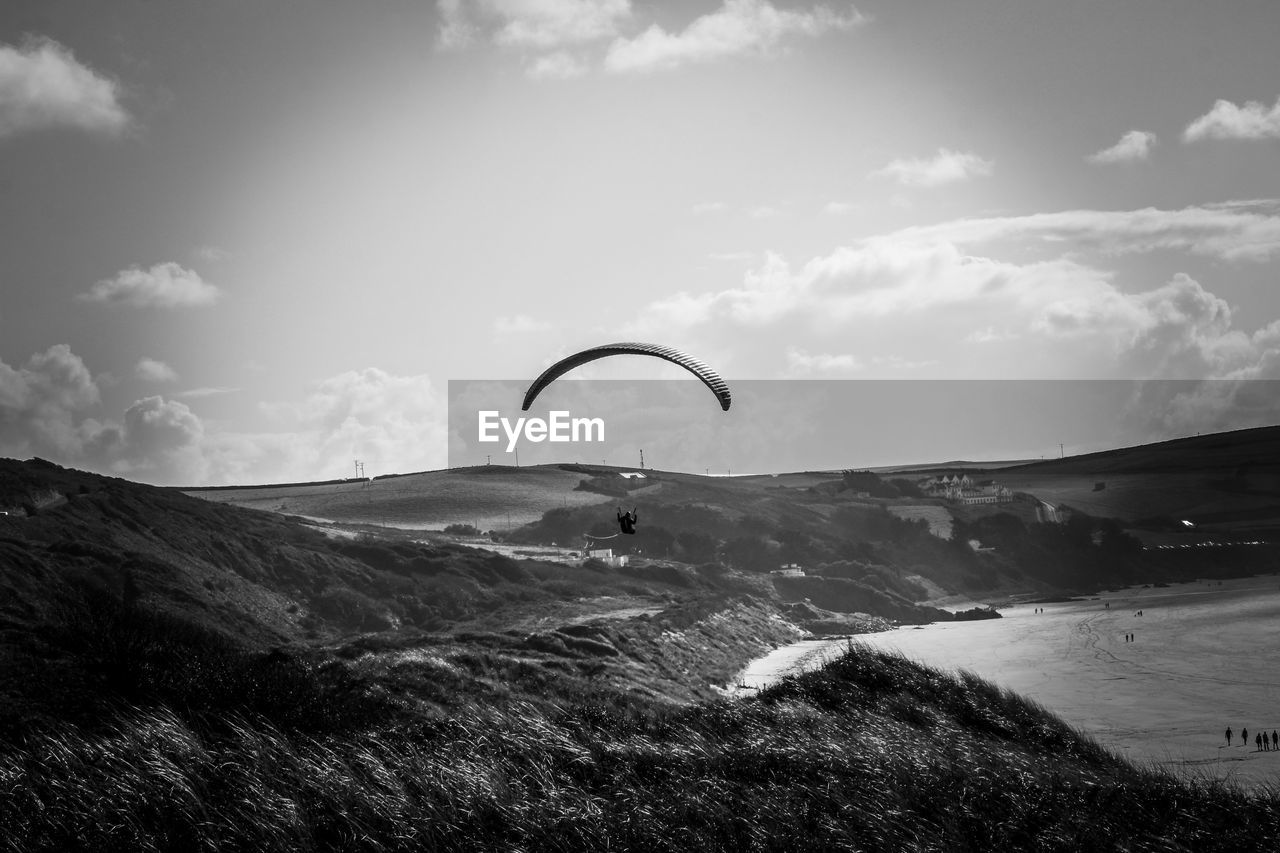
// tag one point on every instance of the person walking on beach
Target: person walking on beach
(1228, 735)
(1275, 740)
(1257, 741)
(1244, 736)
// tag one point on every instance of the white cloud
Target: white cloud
(151, 370)
(51, 407)
(519, 324)
(988, 334)
(705, 207)
(212, 254)
(165, 285)
(945, 167)
(391, 423)
(43, 402)
(1134, 145)
(765, 211)
(1236, 230)
(42, 85)
(560, 65)
(1228, 121)
(159, 442)
(208, 391)
(540, 24)
(839, 208)
(739, 27)
(802, 363)
(909, 300)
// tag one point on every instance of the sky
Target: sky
(251, 242)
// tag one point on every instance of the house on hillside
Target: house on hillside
(788, 570)
(961, 488)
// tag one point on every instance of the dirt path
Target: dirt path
(1204, 657)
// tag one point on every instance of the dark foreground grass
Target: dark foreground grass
(871, 753)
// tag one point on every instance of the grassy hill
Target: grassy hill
(1223, 481)
(1227, 484)
(184, 674)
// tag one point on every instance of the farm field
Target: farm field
(496, 498)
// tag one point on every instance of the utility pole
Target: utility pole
(1059, 450)
(642, 459)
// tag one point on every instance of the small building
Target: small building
(606, 556)
(633, 475)
(788, 570)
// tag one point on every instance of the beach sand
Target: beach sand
(1205, 656)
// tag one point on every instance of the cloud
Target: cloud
(159, 442)
(839, 208)
(391, 423)
(945, 167)
(212, 254)
(705, 207)
(42, 86)
(560, 65)
(165, 285)
(519, 324)
(739, 27)
(1133, 146)
(971, 299)
(197, 393)
(151, 370)
(43, 402)
(801, 363)
(51, 407)
(1228, 121)
(541, 24)
(1235, 230)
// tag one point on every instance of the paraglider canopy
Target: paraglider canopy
(708, 376)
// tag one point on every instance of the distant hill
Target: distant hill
(1223, 481)
(1242, 451)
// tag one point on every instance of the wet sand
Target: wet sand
(1205, 656)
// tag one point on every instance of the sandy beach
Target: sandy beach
(1205, 656)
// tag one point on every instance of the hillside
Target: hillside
(210, 676)
(1222, 481)
(1226, 485)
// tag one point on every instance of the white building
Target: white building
(962, 489)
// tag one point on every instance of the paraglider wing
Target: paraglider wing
(708, 376)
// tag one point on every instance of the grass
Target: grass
(156, 696)
(871, 753)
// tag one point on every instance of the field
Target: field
(496, 498)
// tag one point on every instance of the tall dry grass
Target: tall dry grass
(871, 753)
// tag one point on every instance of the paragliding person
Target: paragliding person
(627, 521)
